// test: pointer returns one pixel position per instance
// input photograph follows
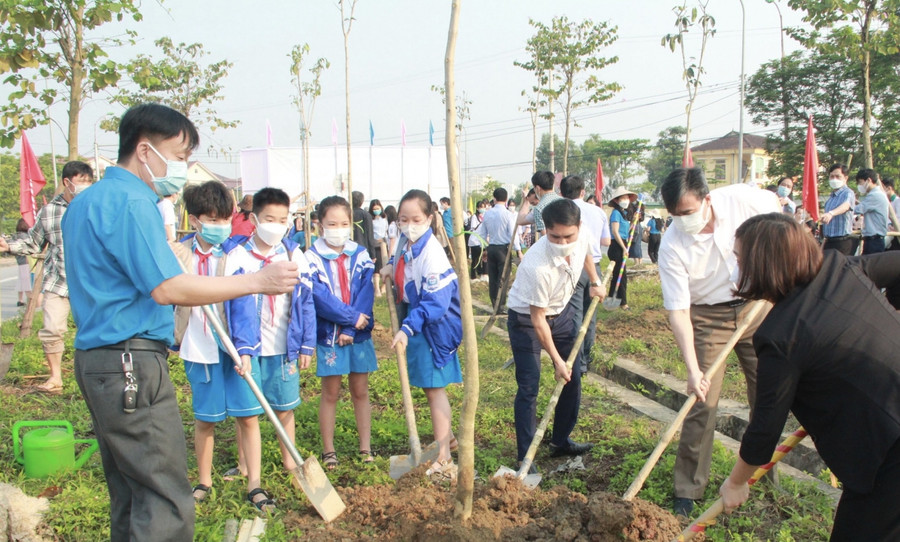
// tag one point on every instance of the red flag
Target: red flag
(688, 158)
(811, 174)
(31, 180)
(598, 182)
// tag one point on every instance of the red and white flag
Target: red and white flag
(31, 181)
(811, 174)
(688, 158)
(598, 182)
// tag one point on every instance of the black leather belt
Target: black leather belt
(733, 303)
(839, 238)
(869, 237)
(145, 345)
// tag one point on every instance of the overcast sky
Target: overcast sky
(396, 55)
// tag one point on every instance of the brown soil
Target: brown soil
(416, 509)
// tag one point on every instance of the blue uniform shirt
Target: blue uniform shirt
(116, 254)
(841, 224)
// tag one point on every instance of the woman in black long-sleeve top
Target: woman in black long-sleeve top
(829, 351)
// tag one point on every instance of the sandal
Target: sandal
(454, 444)
(441, 471)
(329, 459)
(48, 388)
(367, 456)
(203, 489)
(266, 504)
(234, 473)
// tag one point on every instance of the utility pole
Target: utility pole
(740, 164)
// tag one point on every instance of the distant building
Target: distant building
(99, 165)
(719, 159)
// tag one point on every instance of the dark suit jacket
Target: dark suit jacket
(362, 231)
(830, 353)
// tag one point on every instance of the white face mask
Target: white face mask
(336, 237)
(77, 189)
(693, 223)
(414, 232)
(270, 232)
(835, 183)
(562, 251)
(863, 188)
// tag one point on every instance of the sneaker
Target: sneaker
(683, 506)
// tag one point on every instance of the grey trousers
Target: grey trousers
(144, 453)
(713, 326)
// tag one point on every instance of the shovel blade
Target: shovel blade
(6, 352)
(318, 489)
(504, 471)
(530, 481)
(401, 464)
(611, 303)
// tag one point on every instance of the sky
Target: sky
(397, 53)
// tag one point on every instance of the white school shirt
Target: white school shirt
(697, 269)
(547, 281)
(199, 345)
(595, 222)
(273, 333)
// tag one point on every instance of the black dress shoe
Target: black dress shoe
(683, 506)
(571, 449)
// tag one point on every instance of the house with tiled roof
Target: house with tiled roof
(719, 159)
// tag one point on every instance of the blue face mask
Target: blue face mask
(376, 212)
(174, 179)
(783, 191)
(215, 234)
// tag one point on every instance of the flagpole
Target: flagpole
(52, 158)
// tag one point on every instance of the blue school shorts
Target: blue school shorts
(280, 381)
(341, 360)
(218, 391)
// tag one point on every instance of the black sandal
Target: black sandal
(201, 487)
(329, 459)
(368, 456)
(263, 505)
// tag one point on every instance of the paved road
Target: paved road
(8, 296)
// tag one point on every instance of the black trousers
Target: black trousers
(873, 516)
(495, 259)
(846, 245)
(653, 246)
(526, 350)
(477, 267)
(615, 254)
(144, 453)
(873, 245)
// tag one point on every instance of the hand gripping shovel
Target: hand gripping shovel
(401, 464)
(708, 517)
(308, 473)
(532, 480)
(666, 437)
(613, 303)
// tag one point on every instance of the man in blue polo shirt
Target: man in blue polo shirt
(837, 221)
(122, 275)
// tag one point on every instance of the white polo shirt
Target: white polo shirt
(547, 281)
(597, 224)
(697, 269)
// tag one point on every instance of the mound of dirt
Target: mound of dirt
(503, 509)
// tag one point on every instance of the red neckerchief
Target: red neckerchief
(399, 271)
(266, 260)
(203, 269)
(343, 279)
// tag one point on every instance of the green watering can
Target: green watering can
(51, 449)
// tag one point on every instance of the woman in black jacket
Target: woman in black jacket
(829, 351)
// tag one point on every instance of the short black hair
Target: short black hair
(844, 169)
(211, 198)
(270, 196)
(390, 213)
(357, 199)
(530, 193)
(888, 182)
(543, 180)
(500, 194)
(571, 186)
(76, 168)
(563, 212)
(681, 181)
(155, 122)
(866, 173)
(422, 197)
(334, 201)
(445, 200)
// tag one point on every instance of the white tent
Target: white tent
(385, 173)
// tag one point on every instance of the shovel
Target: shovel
(613, 303)
(308, 473)
(666, 437)
(532, 480)
(708, 517)
(501, 293)
(401, 464)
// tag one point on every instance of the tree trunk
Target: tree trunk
(550, 119)
(76, 90)
(347, 102)
(534, 141)
(568, 125)
(466, 481)
(867, 91)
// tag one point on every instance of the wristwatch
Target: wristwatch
(596, 283)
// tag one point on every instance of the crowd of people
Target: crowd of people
(297, 291)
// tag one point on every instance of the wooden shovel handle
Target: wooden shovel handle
(414, 444)
(749, 317)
